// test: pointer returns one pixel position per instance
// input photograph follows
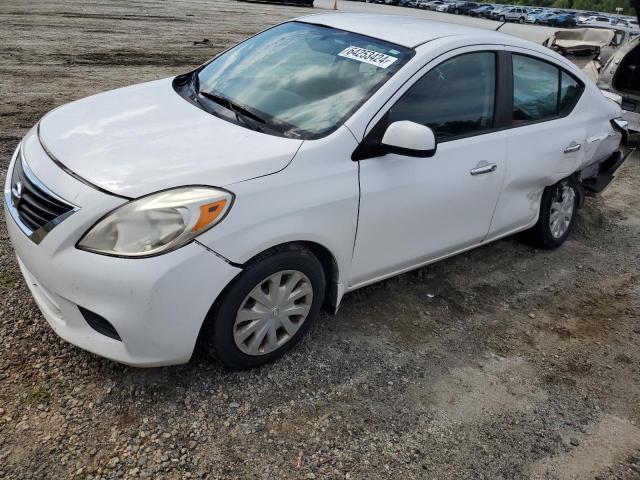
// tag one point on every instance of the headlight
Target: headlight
(158, 223)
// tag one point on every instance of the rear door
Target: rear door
(545, 141)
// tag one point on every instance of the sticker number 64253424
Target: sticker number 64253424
(371, 57)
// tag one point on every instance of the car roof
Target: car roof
(401, 30)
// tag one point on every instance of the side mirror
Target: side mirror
(410, 139)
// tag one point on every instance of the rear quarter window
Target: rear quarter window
(541, 91)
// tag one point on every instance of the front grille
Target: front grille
(34, 205)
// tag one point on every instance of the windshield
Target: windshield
(301, 80)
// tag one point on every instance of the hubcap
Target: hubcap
(272, 313)
(561, 210)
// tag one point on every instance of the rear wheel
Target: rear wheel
(521, 20)
(267, 309)
(457, 11)
(557, 213)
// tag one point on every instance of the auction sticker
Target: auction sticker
(371, 57)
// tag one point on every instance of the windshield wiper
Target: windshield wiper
(243, 115)
(239, 110)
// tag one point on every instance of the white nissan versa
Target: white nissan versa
(227, 205)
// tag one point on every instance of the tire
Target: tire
(502, 18)
(521, 20)
(457, 11)
(225, 323)
(560, 202)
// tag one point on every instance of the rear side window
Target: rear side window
(541, 91)
(454, 99)
(569, 92)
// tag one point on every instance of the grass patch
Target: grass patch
(37, 396)
(7, 280)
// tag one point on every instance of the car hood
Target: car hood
(144, 138)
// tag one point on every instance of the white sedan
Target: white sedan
(229, 204)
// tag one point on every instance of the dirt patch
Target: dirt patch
(499, 384)
(610, 441)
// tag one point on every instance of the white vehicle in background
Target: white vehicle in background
(432, 4)
(619, 75)
(599, 21)
(582, 17)
(228, 204)
(441, 7)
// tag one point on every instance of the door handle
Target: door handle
(488, 168)
(572, 148)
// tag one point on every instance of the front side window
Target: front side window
(454, 99)
(302, 80)
(541, 91)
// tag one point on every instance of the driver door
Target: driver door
(415, 210)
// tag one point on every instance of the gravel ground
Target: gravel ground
(505, 362)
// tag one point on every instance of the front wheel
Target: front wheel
(521, 20)
(267, 309)
(557, 213)
(502, 18)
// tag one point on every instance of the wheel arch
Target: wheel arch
(330, 267)
(575, 179)
(333, 292)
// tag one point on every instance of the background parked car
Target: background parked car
(602, 41)
(443, 7)
(428, 4)
(515, 14)
(584, 16)
(462, 7)
(621, 76)
(498, 11)
(538, 17)
(563, 20)
(600, 20)
(433, 4)
(482, 11)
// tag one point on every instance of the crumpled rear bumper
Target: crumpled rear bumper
(605, 173)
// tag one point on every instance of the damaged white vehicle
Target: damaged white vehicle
(229, 204)
(620, 78)
(600, 41)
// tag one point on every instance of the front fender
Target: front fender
(314, 199)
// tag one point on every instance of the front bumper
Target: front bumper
(156, 305)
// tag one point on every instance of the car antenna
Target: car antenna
(500, 26)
